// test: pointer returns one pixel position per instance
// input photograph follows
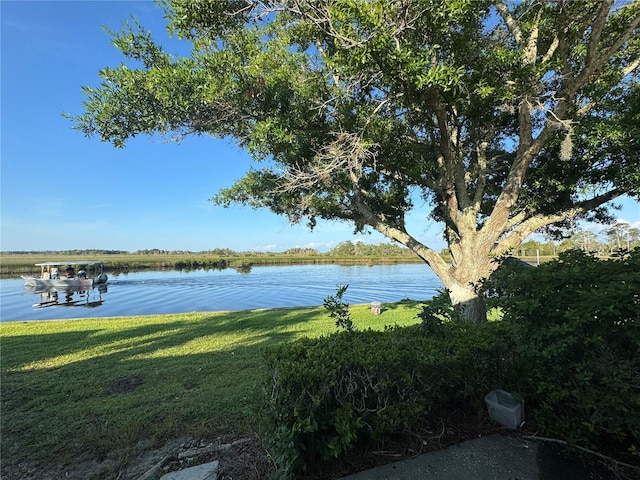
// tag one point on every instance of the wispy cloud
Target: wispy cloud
(320, 245)
(631, 223)
(265, 248)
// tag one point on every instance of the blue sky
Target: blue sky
(63, 191)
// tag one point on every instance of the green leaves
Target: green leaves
(325, 395)
(136, 44)
(338, 309)
(579, 324)
(525, 113)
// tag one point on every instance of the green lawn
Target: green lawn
(101, 386)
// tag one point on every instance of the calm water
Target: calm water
(149, 293)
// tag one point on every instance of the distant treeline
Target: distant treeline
(343, 249)
(65, 252)
(19, 262)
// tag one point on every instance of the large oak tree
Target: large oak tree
(505, 117)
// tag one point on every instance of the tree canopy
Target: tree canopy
(504, 117)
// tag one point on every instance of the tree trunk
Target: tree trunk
(471, 263)
(468, 303)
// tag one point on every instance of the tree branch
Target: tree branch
(589, 105)
(481, 153)
(593, 61)
(454, 185)
(531, 51)
(347, 153)
(516, 220)
(429, 256)
(511, 23)
(626, 35)
(596, 31)
(528, 147)
(498, 220)
(551, 50)
(535, 222)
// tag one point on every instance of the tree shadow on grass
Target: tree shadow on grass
(174, 375)
(401, 305)
(148, 333)
(405, 303)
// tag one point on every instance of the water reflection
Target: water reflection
(52, 297)
(244, 268)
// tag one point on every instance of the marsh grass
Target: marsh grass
(14, 264)
(101, 387)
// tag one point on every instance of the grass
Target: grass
(102, 386)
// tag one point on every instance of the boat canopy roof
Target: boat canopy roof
(75, 262)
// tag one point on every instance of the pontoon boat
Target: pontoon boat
(63, 275)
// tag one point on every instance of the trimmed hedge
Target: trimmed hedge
(327, 394)
(578, 323)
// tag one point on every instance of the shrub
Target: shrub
(327, 394)
(436, 312)
(339, 309)
(577, 321)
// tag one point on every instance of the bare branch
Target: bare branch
(531, 51)
(319, 14)
(551, 50)
(513, 26)
(347, 153)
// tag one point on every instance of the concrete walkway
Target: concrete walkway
(493, 457)
(206, 471)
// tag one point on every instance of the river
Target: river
(159, 292)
